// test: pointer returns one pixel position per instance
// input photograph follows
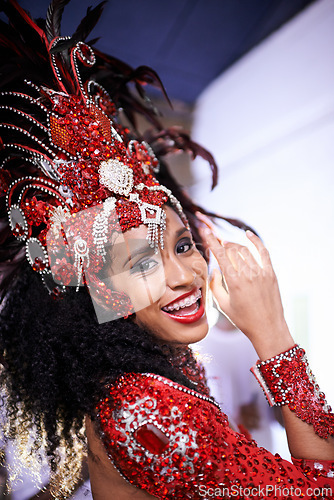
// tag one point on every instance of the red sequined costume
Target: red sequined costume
(176, 443)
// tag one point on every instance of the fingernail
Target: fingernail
(249, 232)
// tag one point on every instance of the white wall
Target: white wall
(269, 121)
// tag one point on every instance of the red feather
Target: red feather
(28, 20)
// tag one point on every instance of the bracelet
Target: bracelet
(287, 379)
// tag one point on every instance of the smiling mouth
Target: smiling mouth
(187, 309)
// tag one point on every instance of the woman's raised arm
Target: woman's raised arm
(247, 292)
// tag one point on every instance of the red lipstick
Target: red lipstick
(188, 318)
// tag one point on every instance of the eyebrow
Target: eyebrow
(182, 230)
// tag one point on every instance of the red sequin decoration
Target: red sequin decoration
(203, 458)
(291, 382)
(76, 119)
(18, 230)
(63, 271)
(152, 438)
(85, 138)
(85, 132)
(36, 211)
(39, 264)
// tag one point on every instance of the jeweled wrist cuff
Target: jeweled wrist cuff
(286, 379)
(269, 375)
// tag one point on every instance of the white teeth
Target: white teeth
(188, 301)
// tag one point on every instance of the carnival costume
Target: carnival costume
(64, 151)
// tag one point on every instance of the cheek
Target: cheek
(143, 291)
(199, 266)
(148, 318)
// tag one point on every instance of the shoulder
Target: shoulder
(150, 425)
(143, 394)
(136, 400)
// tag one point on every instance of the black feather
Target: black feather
(83, 30)
(88, 22)
(23, 25)
(53, 18)
(93, 41)
(163, 145)
(145, 74)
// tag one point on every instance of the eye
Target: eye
(184, 245)
(143, 266)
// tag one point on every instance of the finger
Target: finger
(219, 291)
(249, 258)
(234, 256)
(209, 236)
(241, 257)
(206, 220)
(219, 252)
(263, 251)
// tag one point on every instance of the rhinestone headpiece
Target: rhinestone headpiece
(64, 151)
(84, 158)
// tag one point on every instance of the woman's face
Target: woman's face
(168, 288)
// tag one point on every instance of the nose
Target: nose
(178, 272)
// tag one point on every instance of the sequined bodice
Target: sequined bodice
(176, 443)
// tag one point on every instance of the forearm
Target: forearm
(248, 294)
(272, 340)
(308, 420)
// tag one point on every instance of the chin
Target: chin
(199, 335)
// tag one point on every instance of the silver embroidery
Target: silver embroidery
(131, 417)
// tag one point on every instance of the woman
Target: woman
(104, 289)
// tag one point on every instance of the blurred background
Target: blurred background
(253, 80)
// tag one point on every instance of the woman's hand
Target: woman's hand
(251, 298)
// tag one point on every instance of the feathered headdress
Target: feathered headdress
(64, 150)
